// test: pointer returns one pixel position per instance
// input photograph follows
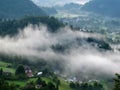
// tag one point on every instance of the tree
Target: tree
(1, 72)
(51, 86)
(117, 82)
(20, 72)
(7, 86)
(29, 86)
(98, 86)
(72, 85)
(39, 81)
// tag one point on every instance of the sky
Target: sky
(57, 2)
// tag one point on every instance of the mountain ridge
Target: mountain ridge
(103, 7)
(19, 8)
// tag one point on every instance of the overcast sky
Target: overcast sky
(57, 2)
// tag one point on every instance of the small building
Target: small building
(28, 71)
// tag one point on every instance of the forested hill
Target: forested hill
(19, 8)
(10, 27)
(104, 7)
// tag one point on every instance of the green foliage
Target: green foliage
(29, 86)
(20, 72)
(6, 86)
(1, 73)
(44, 82)
(39, 81)
(86, 86)
(51, 86)
(10, 27)
(117, 82)
(100, 43)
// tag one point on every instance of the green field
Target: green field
(4, 65)
(64, 85)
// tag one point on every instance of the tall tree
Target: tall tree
(1, 72)
(20, 72)
(117, 82)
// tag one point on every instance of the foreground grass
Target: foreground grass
(64, 85)
(20, 83)
(4, 65)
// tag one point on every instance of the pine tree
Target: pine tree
(117, 82)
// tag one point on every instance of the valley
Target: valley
(59, 45)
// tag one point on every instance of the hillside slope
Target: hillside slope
(72, 8)
(104, 7)
(19, 8)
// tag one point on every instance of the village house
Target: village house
(28, 71)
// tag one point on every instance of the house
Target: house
(28, 71)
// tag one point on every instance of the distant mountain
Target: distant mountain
(72, 5)
(19, 8)
(50, 10)
(69, 8)
(104, 7)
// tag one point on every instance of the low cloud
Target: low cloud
(36, 41)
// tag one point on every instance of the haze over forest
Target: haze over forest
(59, 45)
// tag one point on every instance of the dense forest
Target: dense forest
(10, 27)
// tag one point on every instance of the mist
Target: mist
(36, 41)
(49, 3)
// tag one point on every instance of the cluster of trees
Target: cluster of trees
(4, 85)
(10, 27)
(86, 86)
(20, 74)
(100, 43)
(40, 85)
(117, 82)
(47, 67)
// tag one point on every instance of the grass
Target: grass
(21, 83)
(4, 65)
(8, 69)
(64, 85)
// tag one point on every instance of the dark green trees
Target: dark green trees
(86, 86)
(6, 86)
(1, 72)
(117, 82)
(10, 27)
(20, 72)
